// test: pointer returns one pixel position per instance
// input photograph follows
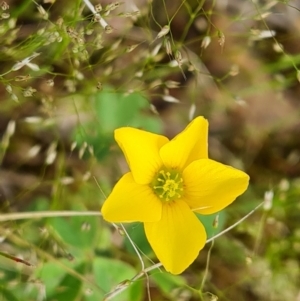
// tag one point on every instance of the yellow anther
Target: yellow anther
(168, 184)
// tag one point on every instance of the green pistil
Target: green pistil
(168, 185)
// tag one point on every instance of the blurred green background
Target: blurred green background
(66, 82)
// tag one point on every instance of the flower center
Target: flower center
(168, 185)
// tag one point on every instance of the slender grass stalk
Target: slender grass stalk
(44, 214)
(206, 269)
(16, 259)
(98, 17)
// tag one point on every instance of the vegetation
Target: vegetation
(71, 72)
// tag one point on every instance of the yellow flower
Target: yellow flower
(168, 182)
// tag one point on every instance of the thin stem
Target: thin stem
(124, 285)
(16, 259)
(260, 233)
(177, 10)
(134, 247)
(102, 22)
(42, 214)
(206, 268)
(193, 15)
(235, 224)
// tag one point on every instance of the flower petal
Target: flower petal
(211, 186)
(187, 146)
(131, 202)
(141, 150)
(177, 238)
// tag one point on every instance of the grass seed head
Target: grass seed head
(4, 5)
(42, 12)
(98, 8)
(5, 15)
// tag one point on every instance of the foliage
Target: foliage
(69, 76)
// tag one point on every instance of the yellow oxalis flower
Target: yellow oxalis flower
(168, 182)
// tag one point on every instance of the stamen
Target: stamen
(168, 185)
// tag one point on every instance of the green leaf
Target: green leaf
(137, 234)
(7, 295)
(109, 273)
(136, 291)
(51, 274)
(208, 222)
(70, 286)
(77, 231)
(115, 109)
(167, 282)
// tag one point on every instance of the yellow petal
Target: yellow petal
(211, 186)
(187, 146)
(141, 150)
(131, 202)
(177, 238)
